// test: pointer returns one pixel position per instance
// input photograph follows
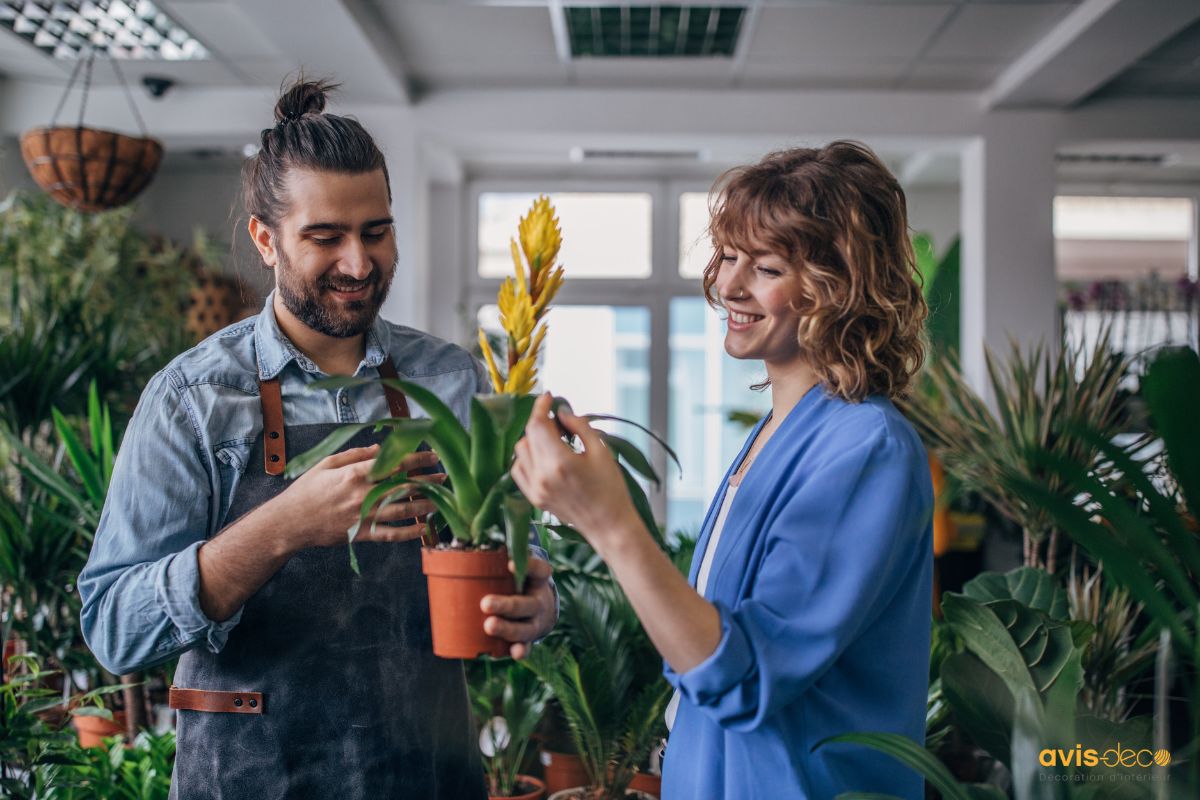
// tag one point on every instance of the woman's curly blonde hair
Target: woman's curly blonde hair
(839, 215)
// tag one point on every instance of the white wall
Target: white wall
(935, 210)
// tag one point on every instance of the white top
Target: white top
(710, 550)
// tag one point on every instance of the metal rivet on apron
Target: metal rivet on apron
(274, 434)
(254, 704)
(274, 458)
(237, 701)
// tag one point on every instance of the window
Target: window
(1128, 264)
(630, 333)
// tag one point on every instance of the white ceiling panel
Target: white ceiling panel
(952, 75)
(448, 39)
(995, 31)
(823, 75)
(223, 27)
(874, 33)
(632, 72)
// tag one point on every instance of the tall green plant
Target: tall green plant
(1040, 400)
(607, 679)
(48, 516)
(1150, 547)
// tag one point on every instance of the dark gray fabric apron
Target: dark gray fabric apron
(356, 706)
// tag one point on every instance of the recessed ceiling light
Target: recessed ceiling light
(126, 29)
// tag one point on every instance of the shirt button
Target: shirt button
(345, 400)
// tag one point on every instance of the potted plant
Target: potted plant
(487, 516)
(611, 695)
(508, 702)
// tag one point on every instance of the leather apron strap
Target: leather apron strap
(274, 446)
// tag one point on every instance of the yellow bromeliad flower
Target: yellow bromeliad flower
(525, 301)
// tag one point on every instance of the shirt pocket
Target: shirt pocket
(233, 457)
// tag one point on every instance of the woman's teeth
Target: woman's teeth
(744, 319)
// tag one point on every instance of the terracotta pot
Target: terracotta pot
(584, 793)
(562, 771)
(458, 580)
(93, 730)
(647, 783)
(537, 793)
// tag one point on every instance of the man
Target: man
(297, 678)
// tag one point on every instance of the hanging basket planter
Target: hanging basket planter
(90, 169)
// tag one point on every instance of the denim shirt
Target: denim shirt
(187, 446)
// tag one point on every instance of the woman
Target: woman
(807, 612)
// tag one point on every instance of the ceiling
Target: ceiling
(1060, 54)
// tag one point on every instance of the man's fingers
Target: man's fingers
(509, 630)
(404, 509)
(421, 459)
(510, 606)
(390, 533)
(351, 456)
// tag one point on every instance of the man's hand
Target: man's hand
(325, 501)
(521, 618)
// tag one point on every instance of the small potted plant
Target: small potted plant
(508, 702)
(488, 517)
(612, 702)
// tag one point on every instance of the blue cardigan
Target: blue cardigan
(823, 580)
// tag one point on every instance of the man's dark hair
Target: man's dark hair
(306, 138)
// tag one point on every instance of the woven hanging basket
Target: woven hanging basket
(90, 169)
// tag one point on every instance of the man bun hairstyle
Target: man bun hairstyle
(305, 137)
(839, 216)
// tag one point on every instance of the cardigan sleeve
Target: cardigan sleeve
(843, 537)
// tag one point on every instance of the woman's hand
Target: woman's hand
(585, 490)
(521, 618)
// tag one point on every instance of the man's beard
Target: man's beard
(311, 304)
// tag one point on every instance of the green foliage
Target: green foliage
(606, 677)
(48, 517)
(37, 754)
(140, 772)
(480, 503)
(1040, 401)
(85, 297)
(1150, 547)
(508, 702)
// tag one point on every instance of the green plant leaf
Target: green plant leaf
(981, 703)
(397, 445)
(633, 457)
(1030, 587)
(518, 514)
(298, 465)
(985, 636)
(487, 434)
(1171, 386)
(641, 503)
(910, 754)
(447, 505)
(84, 464)
(661, 442)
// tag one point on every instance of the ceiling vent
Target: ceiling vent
(582, 154)
(614, 31)
(1133, 159)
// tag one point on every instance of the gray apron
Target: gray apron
(355, 706)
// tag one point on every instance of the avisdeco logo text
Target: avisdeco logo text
(1118, 756)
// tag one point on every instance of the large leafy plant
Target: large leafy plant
(1041, 400)
(1014, 688)
(481, 504)
(1151, 546)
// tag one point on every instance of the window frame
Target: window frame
(654, 292)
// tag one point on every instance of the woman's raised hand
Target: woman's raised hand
(585, 490)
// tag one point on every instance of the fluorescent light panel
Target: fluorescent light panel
(135, 30)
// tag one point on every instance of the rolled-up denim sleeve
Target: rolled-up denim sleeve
(140, 588)
(836, 553)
